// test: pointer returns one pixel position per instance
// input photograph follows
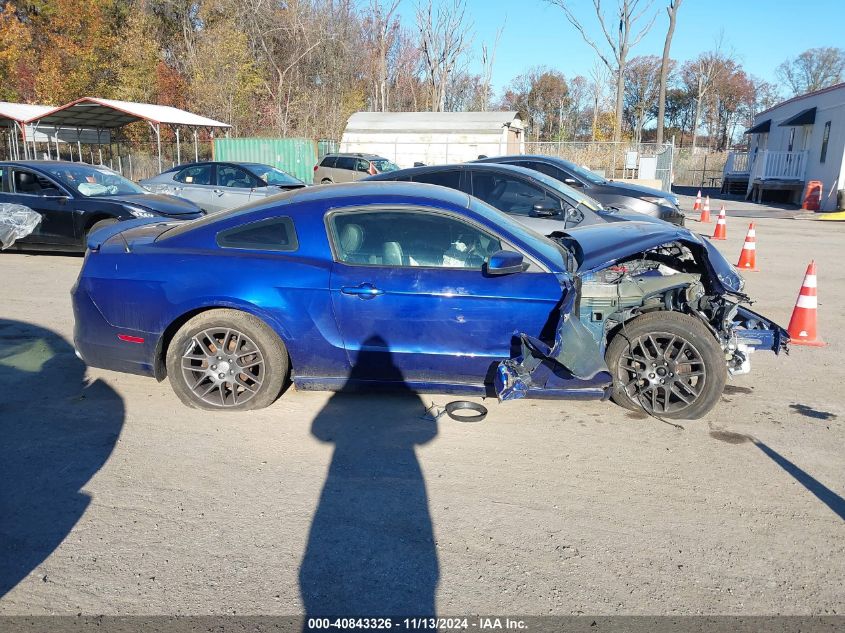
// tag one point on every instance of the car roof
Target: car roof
(494, 167)
(39, 163)
(355, 155)
(535, 157)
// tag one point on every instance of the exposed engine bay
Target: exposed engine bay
(672, 277)
(667, 278)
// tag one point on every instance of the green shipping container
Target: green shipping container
(297, 156)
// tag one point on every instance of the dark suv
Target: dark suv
(350, 167)
(654, 202)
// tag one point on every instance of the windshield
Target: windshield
(384, 166)
(586, 174)
(93, 182)
(577, 197)
(273, 176)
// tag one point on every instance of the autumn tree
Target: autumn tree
(541, 96)
(620, 40)
(813, 69)
(642, 86)
(15, 40)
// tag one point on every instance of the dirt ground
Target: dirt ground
(119, 500)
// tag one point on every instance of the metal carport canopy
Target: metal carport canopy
(14, 116)
(96, 113)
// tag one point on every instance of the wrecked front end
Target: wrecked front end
(625, 272)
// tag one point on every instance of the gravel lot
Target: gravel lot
(119, 500)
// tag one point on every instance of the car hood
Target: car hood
(599, 246)
(635, 191)
(161, 203)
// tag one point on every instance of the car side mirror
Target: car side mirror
(505, 263)
(572, 182)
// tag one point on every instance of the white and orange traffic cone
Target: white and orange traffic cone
(748, 256)
(697, 205)
(705, 212)
(721, 232)
(802, 325)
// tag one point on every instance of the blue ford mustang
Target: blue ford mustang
(386, 284)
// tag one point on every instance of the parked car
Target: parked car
(216, 186)
(75, 199)
(388, 284)
(542, 203)
(350, 167)
(654, 202)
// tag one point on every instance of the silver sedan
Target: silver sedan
(216, 186)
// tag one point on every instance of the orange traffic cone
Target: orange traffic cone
(748, 256)
(721, 232)
(697, 205)
(705, 212)
(802, 325)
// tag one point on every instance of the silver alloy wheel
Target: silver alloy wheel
(223, 367)
(662, 372)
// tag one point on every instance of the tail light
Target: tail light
(316, 167)
(372, 170)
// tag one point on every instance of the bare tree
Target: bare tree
(380, 32)
(700, 75)
(672, 10)
(488, 58)
(813, 69)
(642, 81)
(599, 80)
(443, 40)
(629, 12)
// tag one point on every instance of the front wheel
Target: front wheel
(226, 359)
(667, 364)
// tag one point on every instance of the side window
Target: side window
(274, 234)
(195, 175)
(362, 165)
(511, 195)
(410, 239)
(329, 161)
(545, 168)
(346, 162)
(451, 179)
(231, 176)
(3, 187)
(30, 183)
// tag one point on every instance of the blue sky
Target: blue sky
(761, 33)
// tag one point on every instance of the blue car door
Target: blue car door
(410, 282)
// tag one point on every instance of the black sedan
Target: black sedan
(544, 204)
(623, 195)
(75, 199)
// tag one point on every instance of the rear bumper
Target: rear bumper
(96, 341)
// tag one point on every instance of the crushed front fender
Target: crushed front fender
(574, 351)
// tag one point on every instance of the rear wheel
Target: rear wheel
(667, 364)
(325, 181)
(226, 359)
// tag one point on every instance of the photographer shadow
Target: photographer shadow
(371, 549)
(56, 432)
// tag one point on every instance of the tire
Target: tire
(226, 340)
(326, 181)
(660, 339)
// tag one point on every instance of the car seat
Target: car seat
(351, 239)
(392, 254)
(25, 182)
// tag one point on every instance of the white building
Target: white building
(792, 144)
(433, 138)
